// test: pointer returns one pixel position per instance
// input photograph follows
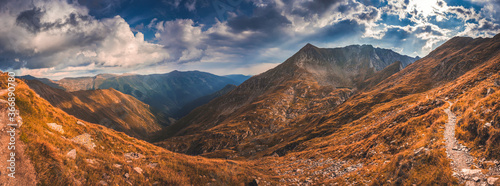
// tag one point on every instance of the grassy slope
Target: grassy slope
(107, 107)
(395, 129)
(48, 149)
(387, 127)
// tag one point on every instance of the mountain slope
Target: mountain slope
(310, 83)
(106, 107)
(46, 81)
(166, 93)
(406, 117)
(389, 131)
(67, 153)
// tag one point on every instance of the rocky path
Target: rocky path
(462, 162)
(24, 171)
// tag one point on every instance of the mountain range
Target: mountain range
(310, 83)
(166, 93)
(355, 115)
(107, 107)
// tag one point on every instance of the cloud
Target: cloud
(62, 36)
(57, 34)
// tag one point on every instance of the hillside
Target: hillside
(46, 81)
(106, 107)
(389, 131)
(311, 82)
(64, 151)
(166, 93)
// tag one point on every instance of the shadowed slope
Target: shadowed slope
(107, 107)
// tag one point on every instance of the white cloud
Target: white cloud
(65, 35)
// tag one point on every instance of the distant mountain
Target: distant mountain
(166, 93)
(311, 82)
(238, 78)
(106, 107)
(204, 100)
(48, 82)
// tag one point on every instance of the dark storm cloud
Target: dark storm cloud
(31, 20)
(265, 19)
(337, 32)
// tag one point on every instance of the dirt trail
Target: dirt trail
(462, 161)
(24, 173)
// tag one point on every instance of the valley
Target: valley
(355, 115)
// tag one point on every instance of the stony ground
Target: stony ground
(462, 162)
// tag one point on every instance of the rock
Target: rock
(90, 161)
(476, 179)
(71, 154)
(490, 91)
(254, 182)
(471, 171)
(152, 165)
(488, 124)
(133, 155)
(80, 123)
(138, 170)
(492, 180)
(56, 127)
(85, 140)
(103, 182)
(470, 183)
(117, 166)
(126, 175)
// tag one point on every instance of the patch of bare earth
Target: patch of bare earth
(462, 162)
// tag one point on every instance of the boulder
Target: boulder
(471, 171)
(138, 170)
(80, 123)
(492, 180)
(56, 127)
(85, 140)
(71, 154)
(133, 155)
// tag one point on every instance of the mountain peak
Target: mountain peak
(308, 47)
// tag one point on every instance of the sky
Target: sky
(72, 38)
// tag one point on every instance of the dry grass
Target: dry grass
(47, 149)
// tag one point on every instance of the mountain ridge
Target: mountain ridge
(295, 78)
(107, 107)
